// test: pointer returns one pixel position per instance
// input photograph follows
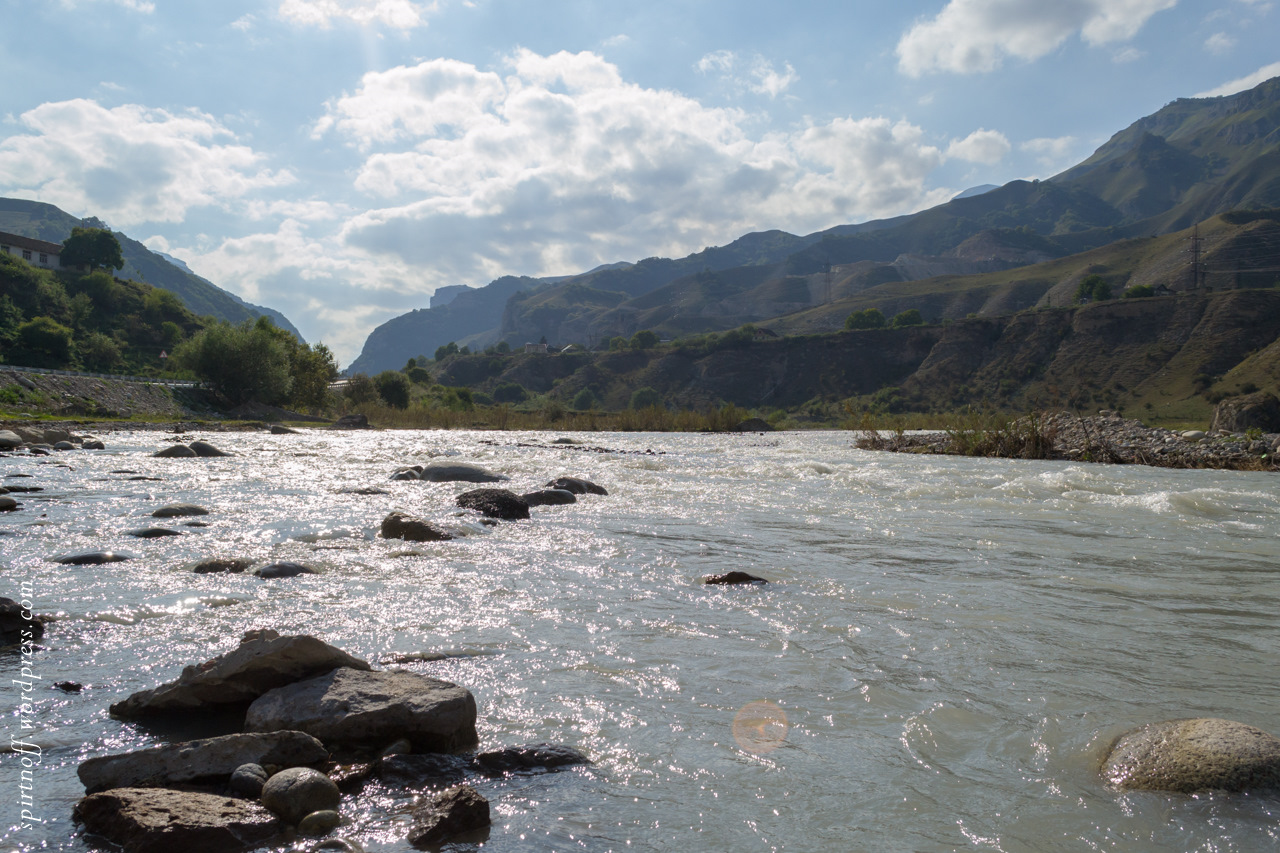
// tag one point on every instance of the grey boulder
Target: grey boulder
(157, 820)
(368, 709)
(259, 664)
(187, 762)
(494, 503)
(205, 449)
(10, 440)
(577, 485)
(177, 451)
(399, 525)
(537, 756)
(179, 511)
(297, 792)
(285, 569)
(247, 781)
(449, 813)
(549, 497)
(459, 472)
(1198, 754)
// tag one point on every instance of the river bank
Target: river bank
(1106, 437)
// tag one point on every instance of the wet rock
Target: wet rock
(459, 472)
(397, 747)
(349, 777)
(297, 792)
(179, 511)
(8, 504)
(15, 626)
(92, 444)
(191, 761)
(260, 663)
(537, 756)
(206, 450)
(177, 451)
(494, 503)
(1194, 434)
(398, 525)
(754, 425)
(1191, 755)
(319, 823)
(449, 813)
(411, 473)
(577, 485)
(281, 429)
(156, 820)
(24, 490)
(94, 558)
(230, 565)
(734, 577)
(285, 569)
(247, 781)
(549, 497)
(152, 533)
(351, 422)
(69, 686)
(420, 771)
(336, 845)
(367, 709)
(10, 440)
(363, 490)
(1252, 411)
(64, 446)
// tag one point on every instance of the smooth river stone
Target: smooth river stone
(1197, 754)
(297, 792)
(459, 472)
(157, 820)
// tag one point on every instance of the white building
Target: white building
(37, 252)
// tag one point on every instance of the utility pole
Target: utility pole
(1197, 270)
(826, 274)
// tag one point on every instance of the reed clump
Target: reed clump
(1032, 436)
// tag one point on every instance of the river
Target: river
(944, 651)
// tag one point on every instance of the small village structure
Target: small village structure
(39, 252)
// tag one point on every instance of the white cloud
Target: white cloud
(129, 164)
(1053, 154)
(244, 23)
(759, 75)
(1248, 81)
(1219, 43)
(398, 14)
(969, 36)
(616, 41)
(982, 146)
(560, 164)
(1128, 53)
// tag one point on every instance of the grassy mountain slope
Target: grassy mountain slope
(46, 222)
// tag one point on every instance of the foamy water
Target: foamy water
(945, 649)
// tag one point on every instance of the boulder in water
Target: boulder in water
(18, 624)
(230, 565)
(285, 569)
(494, 503)
(537, 756)
(8, 504)
(281, 429)
(398, 525)
(93, 558)
(459, 472)
(730, 578)
(263, 661)
(179, 511)
(449, 813)
(10, 440)
(177, 451)
(549, 497)
(1197, 754)
(206, 450)
(297, 792)
(577, 485)
(351, 422)
(158, 820)
(151, 533)
(369, 709)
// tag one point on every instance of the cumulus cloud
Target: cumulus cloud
(129, 164)
(1248, 81)
(1219, 43)
(970, 36)
(982, 146)
(559, 164)
(398, 14)
(1053, 154)
(755, 75)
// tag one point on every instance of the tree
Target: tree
(47, 339)
(393, 388)
(644, 339)
(617, 343)
(446, 350)
(645, 398)
(870, 318)
(502, 347)
(409, 365)
(313, 368)
(584, 400)
(1139, 291)
(241, 363)
(510, 392)
(360, 390)
(95, 248)
(419, 376)
(1093, 288)
(910, 317)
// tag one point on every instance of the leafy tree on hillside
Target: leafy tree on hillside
(870, 318)
(1139, 291)
(644, 339)
(46, 340)
(241, 363)
(446, 350)
(1093, 288)
(510, 392)
(360, 390)
(910, 317)
(95, 248)
(585, 400)
(644, 398)
(419, 375)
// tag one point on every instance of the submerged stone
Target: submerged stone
(1196, 754)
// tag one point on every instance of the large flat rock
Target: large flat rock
(233, 680)
(156, 820)
(191, 761)
(371, 709)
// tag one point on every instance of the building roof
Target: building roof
(21, 242)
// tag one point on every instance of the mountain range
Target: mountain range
(46, 222)
(1193, 159)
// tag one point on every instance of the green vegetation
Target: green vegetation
(910, 317)
(95, 248)
(1139, 291)
(393, 388)
(645, 398)
(644, 339)
(1093, 288)
(868, 318)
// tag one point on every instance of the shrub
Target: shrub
(644, 339)
(1093, 287)
(393, 388)
(360, 390)
(419, 375)
(1139, 291)
(871, 318)
(47, 338)
(644, 398)
(910, 317)
(510, 392)
(585, 400)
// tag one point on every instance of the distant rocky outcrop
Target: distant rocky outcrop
(1260, 411)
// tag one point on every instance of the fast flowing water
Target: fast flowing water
(944, 651)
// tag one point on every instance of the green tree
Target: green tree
(644, 398)
(617, 343)
(644, 339)
(419, 376)
(240, 363)
(585, 400)
(100, 353)
(870, 318)
(312, 368)
(510, 392)
(502, 347)
(409, 365)
(910, 317)
(47, 340)
(360, 390)
(95, 248)
(393, 388)
(443, 352)
(1139, 291)
(102, 289)
(1093, 288)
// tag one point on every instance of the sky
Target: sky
(338, 160)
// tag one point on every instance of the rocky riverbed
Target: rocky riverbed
(1106, 437)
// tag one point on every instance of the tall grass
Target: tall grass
(506, 417)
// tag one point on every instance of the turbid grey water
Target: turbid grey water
(945, 649)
